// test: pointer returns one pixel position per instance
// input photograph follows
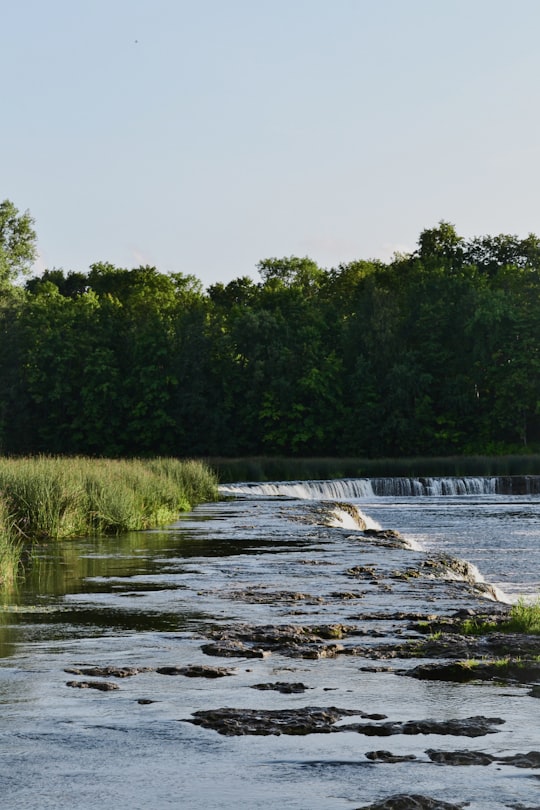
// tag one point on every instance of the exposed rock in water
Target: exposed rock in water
(233, 649)
(317, 720)
(284, 687)
(412, 801)
(518, 670)
(529, 760)
(102, 686)
(309, 720)
(197, 671)
(387, 756)
(107, 672)
(256, 595)
(460, 757)
(464, 727)
(297, 641)
(328, 512)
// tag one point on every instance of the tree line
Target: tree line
(436, 352)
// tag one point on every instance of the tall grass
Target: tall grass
(10, 549)
(50, 498)
(524, 617)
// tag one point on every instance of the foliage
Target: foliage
(17, 242)
(433, 354)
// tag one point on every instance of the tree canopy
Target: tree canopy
(432, 353)
(17, 242)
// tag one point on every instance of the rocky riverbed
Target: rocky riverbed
(306, 641)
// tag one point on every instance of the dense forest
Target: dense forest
(433, 353)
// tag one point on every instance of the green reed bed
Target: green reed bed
(52, 498)
(10, 549)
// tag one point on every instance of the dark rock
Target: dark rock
(530, 760)
(520, 671)
(411, 801)
(103, 686)
(197, 671)
(387, 756)
(318, 720)
(258, 596)
(465, 727)
(376, 669)
(535, 692)
(107, 672)
(460, 757)
(237, 722)
(145, 701)
(284, 687)
(233, 649)
(362, 572)
(293, 640)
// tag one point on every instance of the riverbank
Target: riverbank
(53, 498)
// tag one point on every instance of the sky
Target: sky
(202, 136)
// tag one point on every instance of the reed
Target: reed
(55, 498)
(524, 618)
(10, 549)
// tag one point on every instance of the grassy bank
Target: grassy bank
(293, 469)
(51, 498)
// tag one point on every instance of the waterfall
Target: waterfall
(344, 488)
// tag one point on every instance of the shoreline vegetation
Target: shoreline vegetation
(48, 498)
(275, 468)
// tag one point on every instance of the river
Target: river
(151, 600)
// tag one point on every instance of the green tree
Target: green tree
(17, 242)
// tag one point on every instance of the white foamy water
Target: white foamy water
(464, 517)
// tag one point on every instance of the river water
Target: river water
(150, 600)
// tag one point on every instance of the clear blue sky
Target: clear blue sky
(201, 136)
